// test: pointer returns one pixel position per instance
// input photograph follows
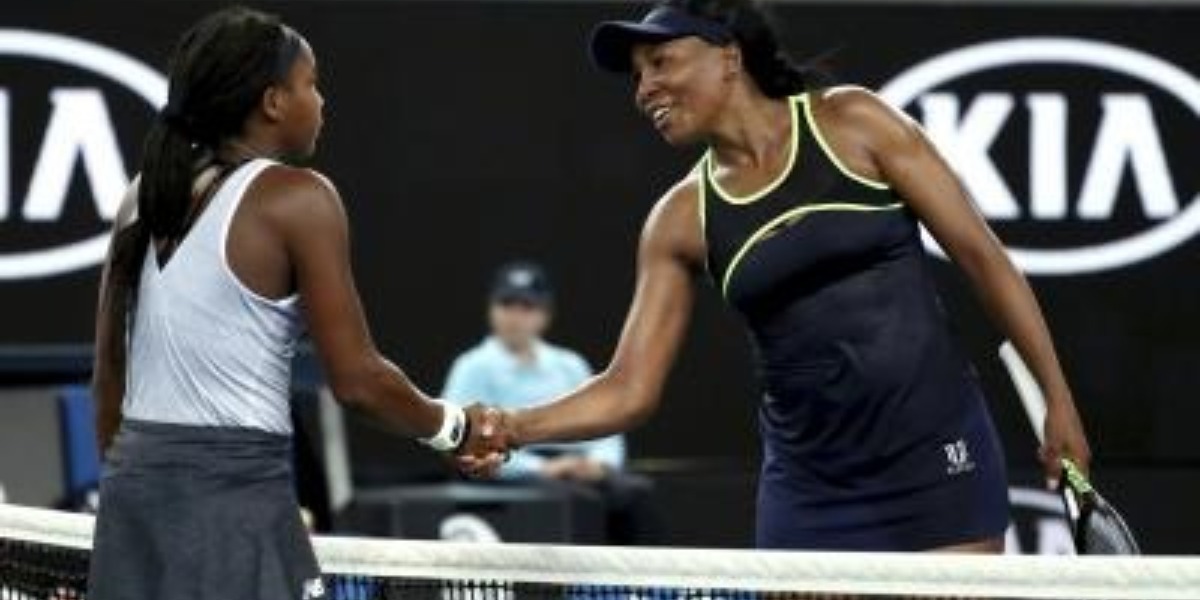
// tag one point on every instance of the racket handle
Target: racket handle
(1079, 482)
(1027, 389)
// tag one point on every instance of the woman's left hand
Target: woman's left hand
(882, 144)
(1064, 439)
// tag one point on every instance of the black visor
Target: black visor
(613, 41)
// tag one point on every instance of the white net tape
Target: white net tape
(964, 576)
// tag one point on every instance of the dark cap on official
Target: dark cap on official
(522, 281)
(613, 41)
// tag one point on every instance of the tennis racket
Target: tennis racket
(1096, 526)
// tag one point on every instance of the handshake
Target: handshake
(488, 442)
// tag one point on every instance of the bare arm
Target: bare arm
(109, 353)
(309, 217)
(628, 391)
(885, 144)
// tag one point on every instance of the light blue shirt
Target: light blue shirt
(491, 374)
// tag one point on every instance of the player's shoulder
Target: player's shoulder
(844, 100)
(297, 198)
(680, 203)
(857, 107)
(127, 212)
(296, 182)
(674, 225)
(685, 192)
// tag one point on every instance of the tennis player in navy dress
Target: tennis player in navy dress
(804, 214)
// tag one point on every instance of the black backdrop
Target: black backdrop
(464, 134)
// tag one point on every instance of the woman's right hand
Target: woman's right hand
(489, 442)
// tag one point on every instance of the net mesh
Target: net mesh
(44, 556)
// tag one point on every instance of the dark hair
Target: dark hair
(218, 73)
(773, 70)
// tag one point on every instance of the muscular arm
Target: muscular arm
(309, 217)
(884, 144)
(628, 391)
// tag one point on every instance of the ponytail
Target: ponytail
(163, 198)
(776, 74)
(219, 71)
(169, 161)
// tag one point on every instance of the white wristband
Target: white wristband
(454, 428)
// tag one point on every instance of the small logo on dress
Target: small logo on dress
(958, 458)
(313, 588)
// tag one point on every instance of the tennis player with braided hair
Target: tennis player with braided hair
(221, 255)
(804, 213)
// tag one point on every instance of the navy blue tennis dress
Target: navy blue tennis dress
(875, 431)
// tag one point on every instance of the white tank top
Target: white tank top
(205, 349)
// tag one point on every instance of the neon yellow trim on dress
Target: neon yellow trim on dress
(783, 175)
(702, 206)
(837, 162)
(698, 172)
(793, 214)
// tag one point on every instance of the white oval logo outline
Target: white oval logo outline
(1151, 242)
(132, 74)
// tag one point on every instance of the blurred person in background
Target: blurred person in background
(514, 367)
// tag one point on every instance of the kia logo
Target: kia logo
(78, 137)
(1125, 168)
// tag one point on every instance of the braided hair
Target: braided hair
(219, 71)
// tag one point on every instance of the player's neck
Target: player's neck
(751, 131)
(250, 145)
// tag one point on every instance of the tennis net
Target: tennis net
(44, 556)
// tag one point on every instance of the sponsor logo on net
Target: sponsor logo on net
(1127, 146)
(78, 135)
(313, 589)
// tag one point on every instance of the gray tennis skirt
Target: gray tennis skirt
(191, 513)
